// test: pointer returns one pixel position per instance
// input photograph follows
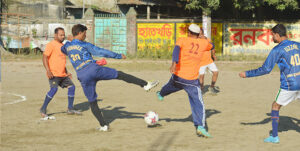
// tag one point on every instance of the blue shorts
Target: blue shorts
(90, 75)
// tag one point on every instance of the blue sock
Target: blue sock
(275, 121)
(49, 97)
(71, 93)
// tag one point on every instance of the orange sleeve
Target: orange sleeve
(48, 50)
(179, 42)
(209, 46)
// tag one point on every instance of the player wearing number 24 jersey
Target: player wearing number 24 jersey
(287, 56)
(185, 66)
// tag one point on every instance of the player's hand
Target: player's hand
(50, 75)
(173, 68)
(123, 56)
(101, 62)
(69, 75)
(242, 74)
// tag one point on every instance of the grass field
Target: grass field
(237, 117)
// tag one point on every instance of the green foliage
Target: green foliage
(205, 5)
(94, 7)
(252, 4)
(165, 52)
(34, 32)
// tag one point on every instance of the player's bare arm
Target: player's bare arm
(46, 65)
(68, 74)
(213, 54)
(173, 67)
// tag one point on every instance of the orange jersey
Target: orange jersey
(191, 52)
(57, 60)
(206, 58)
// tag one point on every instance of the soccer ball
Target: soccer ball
(151, 118)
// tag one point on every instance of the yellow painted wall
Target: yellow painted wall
(155, 35)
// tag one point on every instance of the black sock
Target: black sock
(97, 113)
(131, 79)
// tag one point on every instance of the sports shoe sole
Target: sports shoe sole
(199, 133)
(153, 86)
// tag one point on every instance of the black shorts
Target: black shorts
(63, 82)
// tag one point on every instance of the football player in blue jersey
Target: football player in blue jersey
(90, 71)
(287, 56)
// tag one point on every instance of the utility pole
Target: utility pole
(82, 8)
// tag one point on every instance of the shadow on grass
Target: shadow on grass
(285, 123)
(112, 113)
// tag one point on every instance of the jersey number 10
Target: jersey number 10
(295, 60)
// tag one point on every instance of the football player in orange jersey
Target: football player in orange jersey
(185, 66)
(208, 62)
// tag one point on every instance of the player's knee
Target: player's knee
(275, 106)
(52, 91)
(71, 91)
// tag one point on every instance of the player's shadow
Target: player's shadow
(208, 114)
(111, 114)
(80, 106)
(84, 106)
(285, 123)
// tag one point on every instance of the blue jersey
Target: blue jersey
(287, 56)
(80, 53)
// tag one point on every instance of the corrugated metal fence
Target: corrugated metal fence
(111, 32)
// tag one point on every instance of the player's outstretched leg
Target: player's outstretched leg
(168, 88)
(98, 114)
(132, 79)
(48, 98)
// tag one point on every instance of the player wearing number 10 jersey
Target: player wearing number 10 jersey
(185, 66)
(287, 56)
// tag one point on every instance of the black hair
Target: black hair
(78, 28)
(193, 33)
(279, 29)
(57, 29)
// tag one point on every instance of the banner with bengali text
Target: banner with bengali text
(155, 35)
(216, 33)
(253, 38)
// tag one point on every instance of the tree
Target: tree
(246, 5)
(207, 6)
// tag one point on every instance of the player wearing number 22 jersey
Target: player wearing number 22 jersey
(185, 66)
(287, 56)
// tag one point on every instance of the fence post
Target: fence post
(89, 22)
(131, 31)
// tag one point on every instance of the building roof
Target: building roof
(147, 2)
(100, 5)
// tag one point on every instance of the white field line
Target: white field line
(22, 98)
